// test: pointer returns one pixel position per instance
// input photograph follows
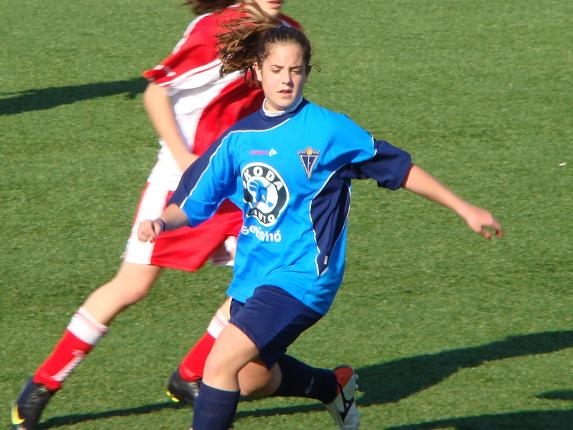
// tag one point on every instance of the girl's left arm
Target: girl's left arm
(478, 219)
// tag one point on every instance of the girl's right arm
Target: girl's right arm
(171, 218)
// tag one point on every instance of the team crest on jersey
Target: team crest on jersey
(265, 192)
(308, 158)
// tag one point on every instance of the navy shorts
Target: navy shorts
(272, 319)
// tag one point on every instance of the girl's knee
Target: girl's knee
(256, 381)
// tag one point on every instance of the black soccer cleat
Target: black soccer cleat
(181, 391)
(29, 405)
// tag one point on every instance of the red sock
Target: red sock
(67, 354)
(82, 333)
(191, 368)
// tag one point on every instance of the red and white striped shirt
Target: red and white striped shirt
(205, 104)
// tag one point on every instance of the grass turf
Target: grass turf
(446, 330)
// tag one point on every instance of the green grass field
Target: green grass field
(446, 330)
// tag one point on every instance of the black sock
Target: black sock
(301, 380)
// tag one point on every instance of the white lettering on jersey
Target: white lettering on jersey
(261, 234)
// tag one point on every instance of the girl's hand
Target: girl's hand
(482, 222)
(148, 230)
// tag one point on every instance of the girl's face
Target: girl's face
(282, 75)
(270, 7)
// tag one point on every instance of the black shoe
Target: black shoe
(182, 391)
(28, 407)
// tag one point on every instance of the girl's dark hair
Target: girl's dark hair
(247, 43)
(205, 6)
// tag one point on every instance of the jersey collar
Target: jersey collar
(292, 108)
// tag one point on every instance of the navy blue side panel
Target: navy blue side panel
(329, 212)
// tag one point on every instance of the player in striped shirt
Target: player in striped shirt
(190, 104)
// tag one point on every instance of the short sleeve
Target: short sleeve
(389, 166)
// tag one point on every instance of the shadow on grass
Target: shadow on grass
(80, 418)
(526, 420)
(399, 379)
(557, 395)
(46, 98)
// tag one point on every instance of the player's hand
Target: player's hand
(148, 230)
(482, 222)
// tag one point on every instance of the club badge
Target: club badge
(308, 159)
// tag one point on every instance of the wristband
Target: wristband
(161, 223)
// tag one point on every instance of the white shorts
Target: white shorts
(186, 248)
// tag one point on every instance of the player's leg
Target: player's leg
(334, 388)
(219, 394)
(90, 323)
(184, 383)
(291, 377)
(86, 327)
(268, 322)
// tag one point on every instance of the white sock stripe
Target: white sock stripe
(86, 328)
(217, 324)
(91, 320)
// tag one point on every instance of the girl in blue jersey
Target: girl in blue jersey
(289, 167)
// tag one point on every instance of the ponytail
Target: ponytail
(246, 41)
(238, 44)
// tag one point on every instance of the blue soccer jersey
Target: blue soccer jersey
(290, 175)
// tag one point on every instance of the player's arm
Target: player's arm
(203, 186)
(160, 112)
(478, 219)
(171, 218)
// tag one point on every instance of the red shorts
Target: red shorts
(187, 248)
